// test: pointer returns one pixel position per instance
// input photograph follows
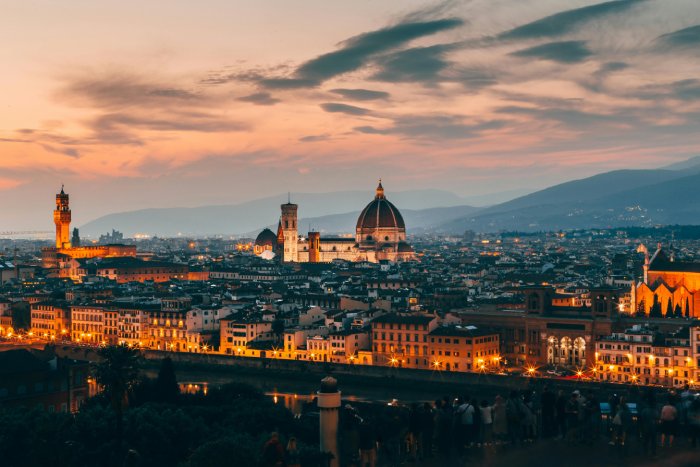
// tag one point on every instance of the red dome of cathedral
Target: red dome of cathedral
(380, 214)
(266, 238)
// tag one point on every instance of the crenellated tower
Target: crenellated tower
(288, 222)
(62, 218)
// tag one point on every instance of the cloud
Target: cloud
(260, 98)
(684, 38)
(117, 91)
(562, 52)
(361, 94)
(562, 23)
(419, 64)
(436, 127)
(685, 90)
(354, 53)
(315, 138)
(335, 107)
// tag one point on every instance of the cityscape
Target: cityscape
(432, 234)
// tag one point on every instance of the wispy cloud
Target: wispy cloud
(260, 98)
(354, 53)
(361, 94)
(562, 52)
(687, 38)
(566, 21)
(433, 127)
(335, 107)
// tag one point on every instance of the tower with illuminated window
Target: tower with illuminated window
(288, 225)
(62, 217)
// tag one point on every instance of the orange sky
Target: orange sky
(172, 103)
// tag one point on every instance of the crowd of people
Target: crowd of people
(455, 428)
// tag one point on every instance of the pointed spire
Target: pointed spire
(62, 192)
(380, 190)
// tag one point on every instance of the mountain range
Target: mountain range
(667, 195)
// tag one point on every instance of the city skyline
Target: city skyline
(176, 105)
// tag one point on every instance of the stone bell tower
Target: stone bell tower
(62, 217)
(288, 222)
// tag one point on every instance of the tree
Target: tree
(21, 315)
(117, 373)
(655, 310)
(669, 308)
(687, 308)
(166, 388)
(238, 448)
(677, 312)
(278, 328)
(641, 308)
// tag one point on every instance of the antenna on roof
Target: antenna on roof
(289, 197)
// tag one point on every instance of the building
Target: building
(643, 355)
(29, 379)
(87, 324)
(380, 234)
(347, 345)
(669, 287)
(543, 334)
(51, 320)
(401, 340)
(64, 247)
(464, 348)
(236, 334)
(125, 270)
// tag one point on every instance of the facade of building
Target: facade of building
(669, 287)
(380, 234)
(50, 320)
(236, 334)
(62, 220)
(32, 380)
(401, 340)
(464, 348)
(642, 355)
(87, 324)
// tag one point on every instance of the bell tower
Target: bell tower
(288, 222)
(62, 217)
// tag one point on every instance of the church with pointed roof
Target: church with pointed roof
(669, 288)
(380, 234)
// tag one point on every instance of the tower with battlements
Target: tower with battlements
(62, 217)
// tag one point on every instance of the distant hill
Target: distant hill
(692, 163)
(613, 199)
(249, 216)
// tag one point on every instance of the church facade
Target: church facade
(669, 287)
(380, 234)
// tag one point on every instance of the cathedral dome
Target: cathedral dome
(266, 238)
(380, 214)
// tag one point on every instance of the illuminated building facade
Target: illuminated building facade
(669, 287)
(237, 334)
(642, 355)
(87, 324)
(544, 334)
(464, 348)
(64, 248)
(402, 340)
(50, 320)
(380, 234)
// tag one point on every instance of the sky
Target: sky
(169, 103)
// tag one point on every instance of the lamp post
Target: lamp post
(329, 405)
